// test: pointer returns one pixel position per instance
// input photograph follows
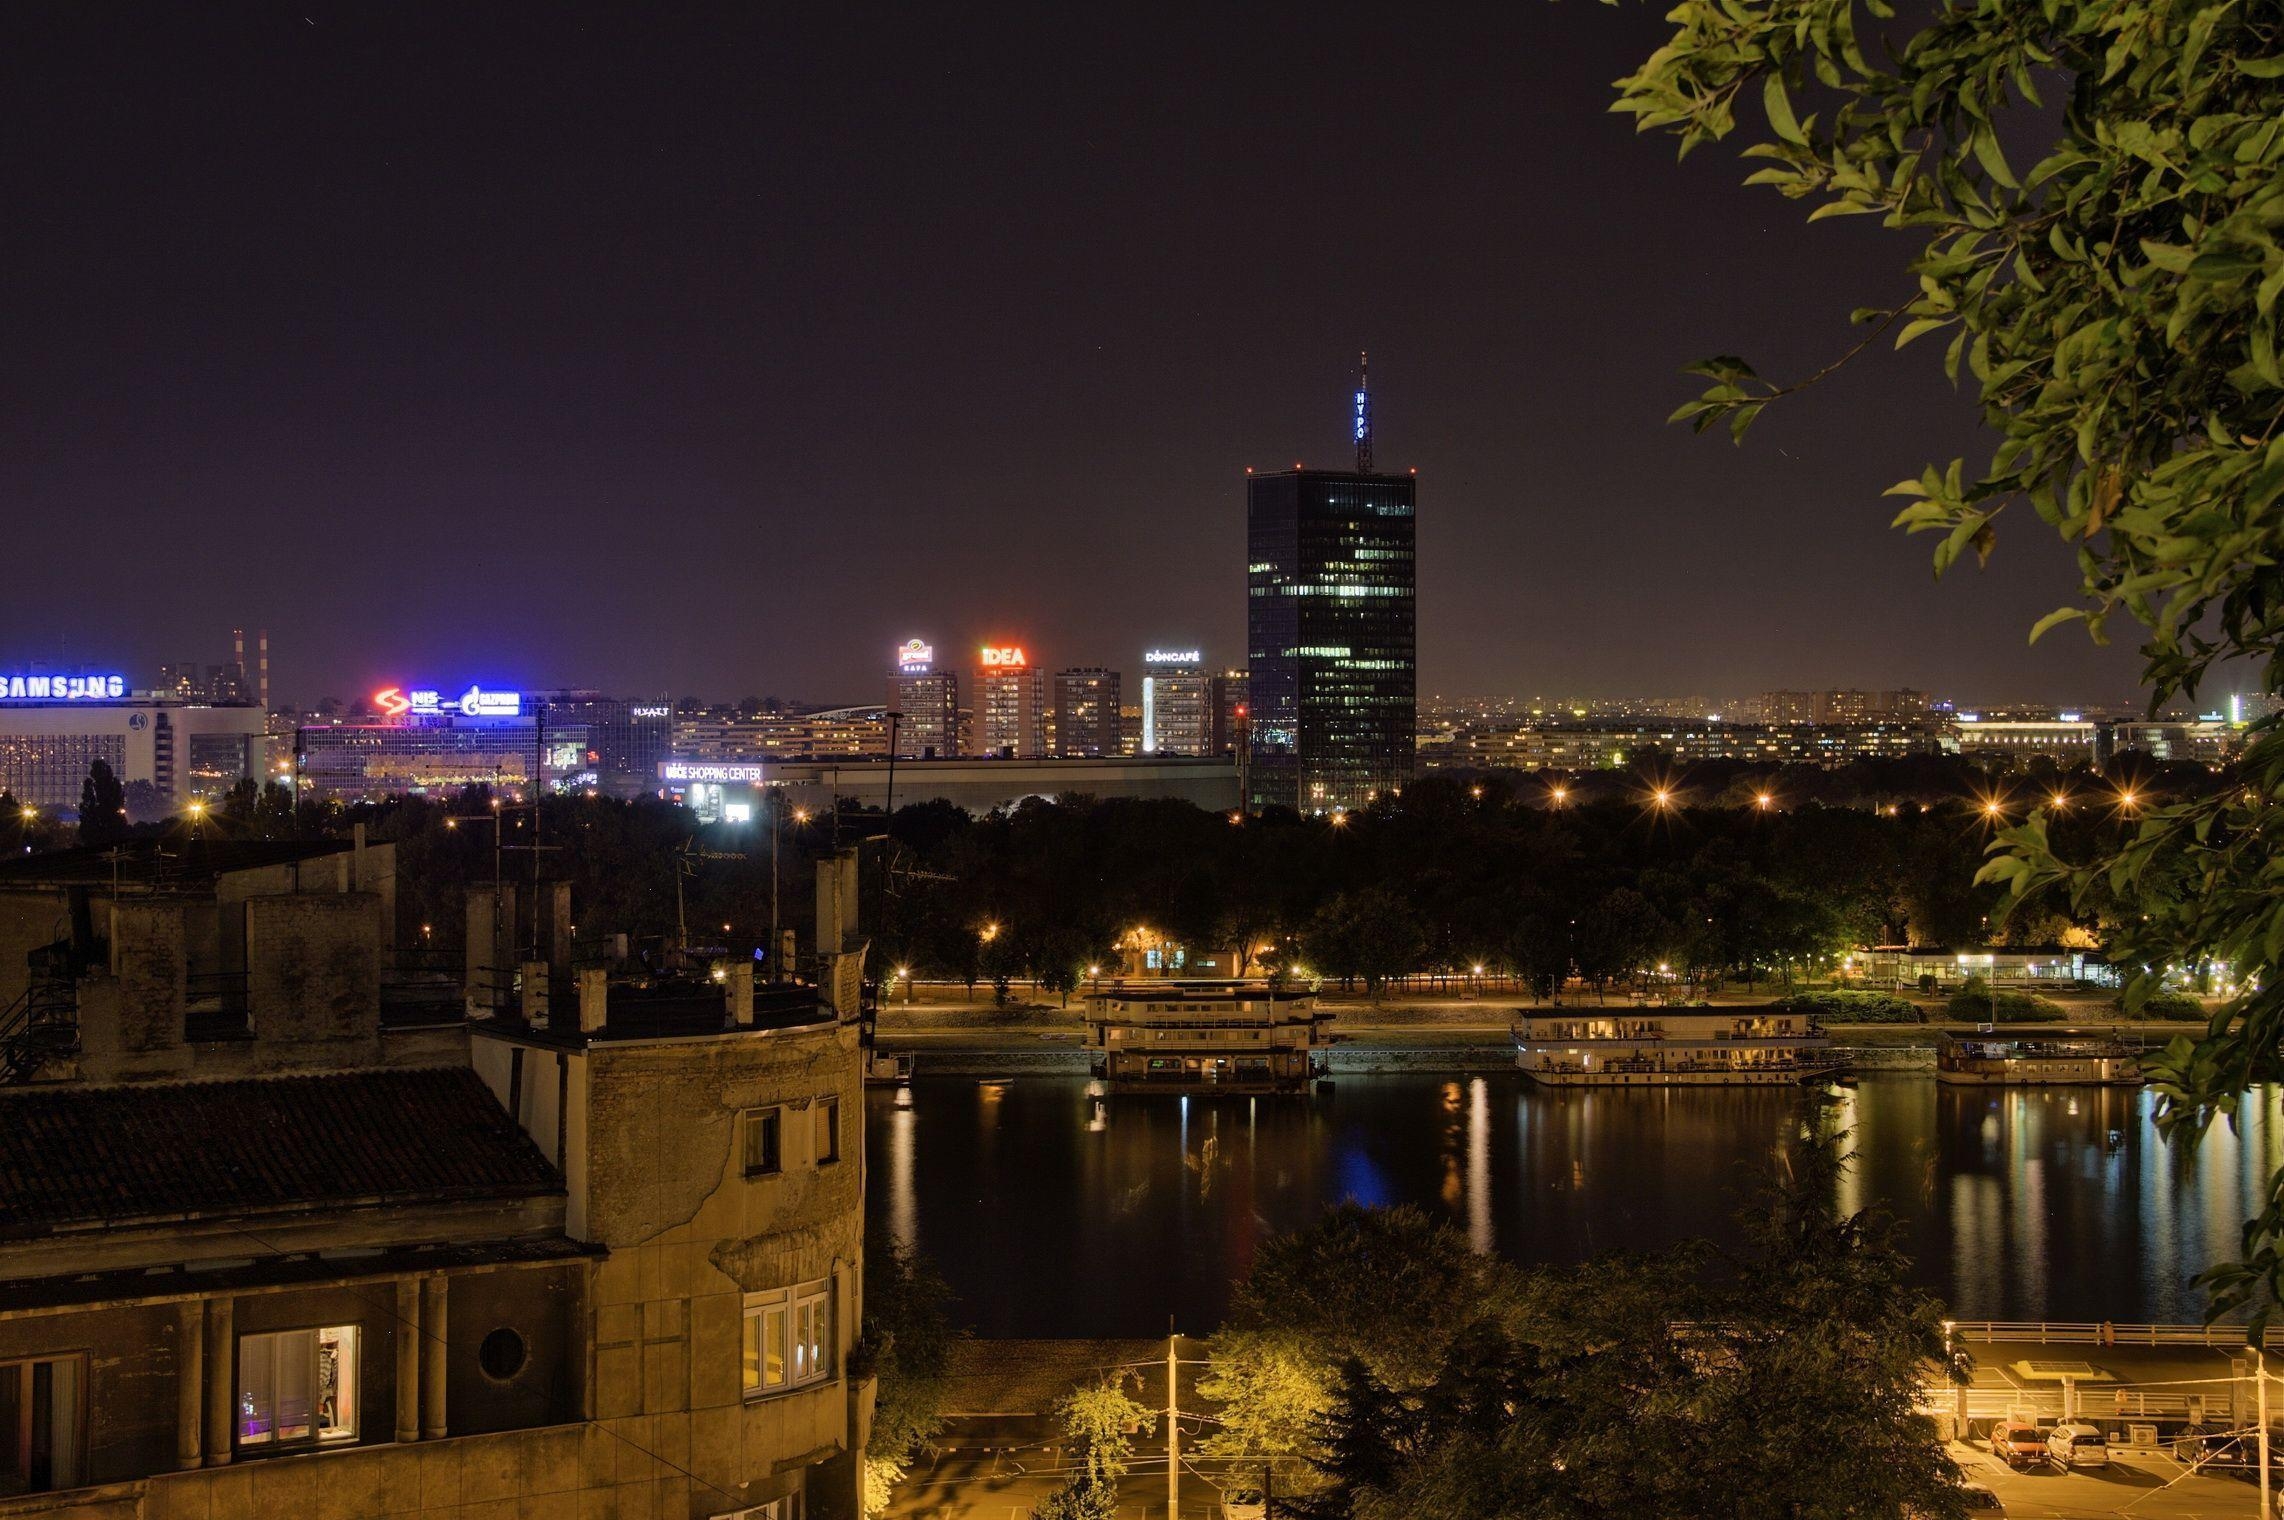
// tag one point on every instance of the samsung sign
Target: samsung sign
(59, 688)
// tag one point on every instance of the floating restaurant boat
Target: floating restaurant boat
(2037, 1055)
(1160, 1035)
(1672, 1047)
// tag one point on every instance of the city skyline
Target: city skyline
(831, 374)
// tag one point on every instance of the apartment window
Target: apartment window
(297, 1387)
(43, 1424)
(788, 1337)
(764, 1141)
(825, 1114)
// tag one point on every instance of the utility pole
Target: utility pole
(776, 827)
(1174, 1432)
(2260, 1372)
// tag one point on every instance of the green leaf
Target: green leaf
(2053, 620)
(1985, 144)
(1778, 104)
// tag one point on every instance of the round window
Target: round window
(502, 1354)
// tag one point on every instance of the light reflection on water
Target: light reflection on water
(1056, 1211)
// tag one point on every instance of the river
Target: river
(1053, 1212)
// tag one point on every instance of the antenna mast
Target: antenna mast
(1363, 414)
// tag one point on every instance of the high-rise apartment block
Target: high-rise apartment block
(928, 702)
(1174, 703)
(1330, 621)
(1010, 704)
(1086, 712)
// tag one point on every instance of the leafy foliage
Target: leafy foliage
(1844, 1007)
(2113, 301)
(1778, 1380)
(102, 805)
(907, 1343)
(1976, 1003)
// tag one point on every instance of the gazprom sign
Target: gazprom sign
(62, 688)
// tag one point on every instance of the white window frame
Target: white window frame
(298, 1341)
(796, 1322)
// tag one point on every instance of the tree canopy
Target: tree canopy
(2093, 191)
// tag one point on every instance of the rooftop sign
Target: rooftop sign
(691, 770)
(62, 688)
(1170, 657)
(475, 702)
(1009, 656)
(915, 658)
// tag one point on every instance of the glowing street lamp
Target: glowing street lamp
(1764, 802)
(1561, 794)
(988, 932)
(1339, 819)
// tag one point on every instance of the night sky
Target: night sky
(718, 354)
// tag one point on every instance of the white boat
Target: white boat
(1672, 1047)
(2037, 1056)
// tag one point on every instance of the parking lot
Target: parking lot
(2147, 1485)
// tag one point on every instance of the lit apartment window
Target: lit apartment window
(43, 1424)
(825, 1113)
(788, 1337)
(297, 1387)
(764, 1136)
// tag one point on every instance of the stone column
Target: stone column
(221, 1358)
(408, 1359)
(432, 1333)
(189, 1384)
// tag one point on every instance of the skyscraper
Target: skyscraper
(1330, 619)
(1086, 712)
(1010, 704)
(928, 701)
(1173, 703)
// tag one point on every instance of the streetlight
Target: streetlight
(988, 932)
(1764, 802)
(1339, 819)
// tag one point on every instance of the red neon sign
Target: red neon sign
(1009, 656)
(391, 701)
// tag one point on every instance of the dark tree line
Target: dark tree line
(1732, 874)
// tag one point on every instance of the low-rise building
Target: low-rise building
(596, 1252)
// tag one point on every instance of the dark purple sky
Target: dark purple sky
(717, 355)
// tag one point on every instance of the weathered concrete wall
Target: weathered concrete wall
(313, 978)
(690, 1234)
(131, 1017)
(542, 1310)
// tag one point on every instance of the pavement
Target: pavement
(2141, 1485)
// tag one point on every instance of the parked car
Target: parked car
(2217, 1453)
(2077, 1444)
(2018, 1443)
(1243, 1502)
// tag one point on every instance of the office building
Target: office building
(827, 733)
(1330, 618)
(1175, 711)
(927, 701)
(735, 791)
(1010, 704)
(1086, 713)
(625, 739)
(54, 725)
(1225, 713)
(426, 740)
(1901, 705)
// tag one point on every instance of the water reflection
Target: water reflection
(1059, 1211)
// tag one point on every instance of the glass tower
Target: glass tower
(1330, 614)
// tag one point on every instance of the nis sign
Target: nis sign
(915, 658)
(475, 702)
(61, 688)
(1003, 657)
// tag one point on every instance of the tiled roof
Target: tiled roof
(90, 1155)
